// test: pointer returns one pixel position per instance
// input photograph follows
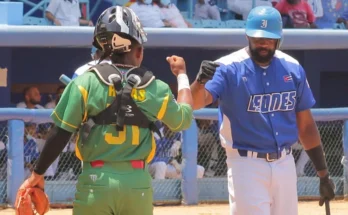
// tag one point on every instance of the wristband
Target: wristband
(316, 155)
(183, 82)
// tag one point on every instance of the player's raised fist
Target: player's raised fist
(177, 65)
(206, 71)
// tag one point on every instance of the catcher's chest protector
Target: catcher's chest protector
(123, 110)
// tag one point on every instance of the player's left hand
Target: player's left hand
(90, 23)
(326, 189)
(34, 180)
(174, 150)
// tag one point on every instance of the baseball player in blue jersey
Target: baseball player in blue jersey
(164, 164)
(95, 54)
(264, 102)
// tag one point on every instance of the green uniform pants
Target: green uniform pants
(114, 189)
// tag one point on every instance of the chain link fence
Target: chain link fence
(165, 168)
(61, 176)
(3, 162)
(212, 157)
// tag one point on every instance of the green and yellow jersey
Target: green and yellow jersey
(87, 95)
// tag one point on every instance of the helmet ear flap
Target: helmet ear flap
(279, 43)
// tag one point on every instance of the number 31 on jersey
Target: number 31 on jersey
(120, 138)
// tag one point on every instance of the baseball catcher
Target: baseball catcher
(113, 109)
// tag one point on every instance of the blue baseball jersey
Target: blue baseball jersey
(84, 68)
(258, 105)
(30, 151)
(163, 147)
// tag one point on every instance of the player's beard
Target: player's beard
(34, 102)
(255, 54)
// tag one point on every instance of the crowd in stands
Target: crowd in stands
(165, 13)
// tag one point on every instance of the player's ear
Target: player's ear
(139, 51)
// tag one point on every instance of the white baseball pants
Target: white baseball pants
(258, 187)
(161, 170)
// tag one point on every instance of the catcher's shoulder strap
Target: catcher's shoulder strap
(107, 72)
(138, 77)
(123, 110)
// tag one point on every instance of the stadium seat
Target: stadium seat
(195, 23)
(31, 20)
(221, 24)
(207, 23)
(235, 24)
(184, 14)
(339, 26)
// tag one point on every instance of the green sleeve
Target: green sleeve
(70, 110)
(159, 103)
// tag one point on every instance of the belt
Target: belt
(136, 164)
(270, 157)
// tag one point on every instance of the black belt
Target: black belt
(270, 157)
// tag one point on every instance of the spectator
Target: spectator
(206, 9)
(69, 166)
(172, 14)
(40, 140)
(343, 18)
(35, 134)
(164, 164)
(296, 14)
(96, 55)
(30, 149)
(66, 13)
(208, 146)
(52, 104)
(149, 14)
(51, 171)
(32, 98)
(243, 7)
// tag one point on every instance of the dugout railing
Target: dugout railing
(332, 124)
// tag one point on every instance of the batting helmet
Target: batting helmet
(264, 22)
(114, 29)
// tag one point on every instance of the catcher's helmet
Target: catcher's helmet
(114, 28)
(264, 22)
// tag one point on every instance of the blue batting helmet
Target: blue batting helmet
(93, 50)
(264, 22)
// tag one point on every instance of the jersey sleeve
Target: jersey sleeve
(70, 109)
(305, 98)
(53, 7)
(160, 104)
(216, 85)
